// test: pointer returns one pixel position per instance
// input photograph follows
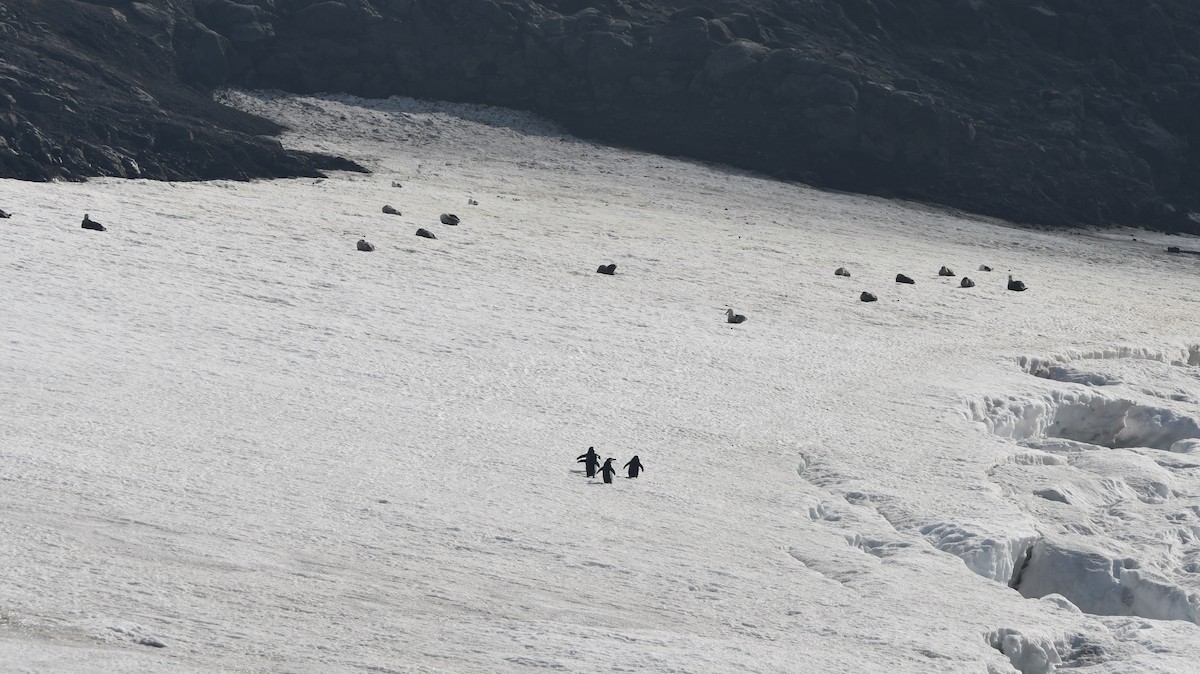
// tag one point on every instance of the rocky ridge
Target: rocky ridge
(1061, 112)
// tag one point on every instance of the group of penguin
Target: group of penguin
(591, 464)
(1014, 285)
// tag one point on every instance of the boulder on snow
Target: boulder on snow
(364, 246)
(449, 219)
(425, 233)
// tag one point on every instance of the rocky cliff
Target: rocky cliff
(1055, 112)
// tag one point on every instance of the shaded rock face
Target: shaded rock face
(101, 89)
(1061, 113)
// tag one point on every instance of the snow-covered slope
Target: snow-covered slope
(231, 442)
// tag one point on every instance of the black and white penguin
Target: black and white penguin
(731, 317)
(1015, 285)
(91, 224)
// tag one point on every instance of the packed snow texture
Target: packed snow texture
(233, 442)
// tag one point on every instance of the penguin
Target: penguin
(635, 466)
(91, 224)
(589, 460)
(608, 470)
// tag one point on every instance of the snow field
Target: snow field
(229, 432)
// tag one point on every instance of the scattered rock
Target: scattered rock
(449, 219)
(91, 224)
(390, 211)
(867, 297)
(984, 267)
(945, 271)
(609, 269)
(731, 317)
(901, 278)
(1015, 285)
(841, 271)
(364, 246)
(966, 283)
(425, 233)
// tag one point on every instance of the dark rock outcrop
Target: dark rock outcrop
(1069, 113)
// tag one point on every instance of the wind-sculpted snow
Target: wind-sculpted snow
(230, 441)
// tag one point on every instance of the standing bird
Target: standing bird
(731, 317)
(1015, 285)
(89, 223)
(608, 470)
(589, 461)
(635, 466)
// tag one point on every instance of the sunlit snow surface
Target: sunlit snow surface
(231, 442)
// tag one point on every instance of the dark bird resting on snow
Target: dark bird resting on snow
(91, 224)
(609, 269)
(901, 278)
(425, 233)
(364, 246)
(5, 214)
(841, 271)
(945, 271)
(984, 267)
(449, 219)
(390, 211)
(867, 297)
(731, 317)
(966, 283)
(1015, 285)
